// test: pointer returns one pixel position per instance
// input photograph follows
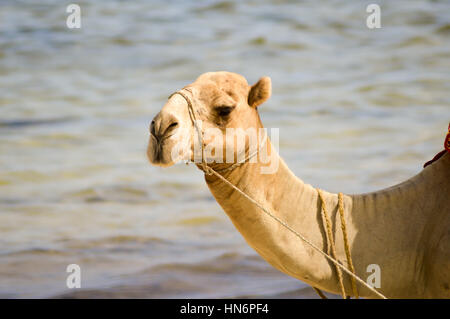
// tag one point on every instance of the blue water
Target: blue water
(358, 110)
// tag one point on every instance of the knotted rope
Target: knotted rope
(346, 245)
(329, 236)
(209, 171)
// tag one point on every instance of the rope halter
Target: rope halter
(203, 165)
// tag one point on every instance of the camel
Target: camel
(404, 229)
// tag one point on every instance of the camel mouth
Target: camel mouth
(158, 151)
(169, 149)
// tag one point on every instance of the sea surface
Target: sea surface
(358, 109)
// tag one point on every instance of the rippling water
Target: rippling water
(358, 110)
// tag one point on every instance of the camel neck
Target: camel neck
(369, 217)
(277, 189)
(291, 200)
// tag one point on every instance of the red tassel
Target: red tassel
(440, 154)
(447, 140)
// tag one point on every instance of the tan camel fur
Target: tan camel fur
(404, 229)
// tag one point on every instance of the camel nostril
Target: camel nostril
(170, 128)
(152, 128)
(162, 126)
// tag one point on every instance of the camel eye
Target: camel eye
(224, 110)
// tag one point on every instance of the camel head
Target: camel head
(220, 101)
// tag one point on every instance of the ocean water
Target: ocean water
(358, 110)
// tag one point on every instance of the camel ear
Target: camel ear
(260, 92)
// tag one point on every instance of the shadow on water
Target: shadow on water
(35, 122)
